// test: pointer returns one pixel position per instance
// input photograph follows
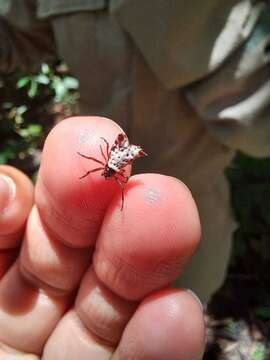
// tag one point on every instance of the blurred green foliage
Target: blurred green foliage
(26, 111)
(259, 353)
(60, 85)
(249, 180)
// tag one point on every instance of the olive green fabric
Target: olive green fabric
(4, 7)
(181, 39)
(25, 40)
(48, 8)
(234, 101)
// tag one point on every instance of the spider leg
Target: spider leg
(107, 146)
(102, 153)
(124, 177)
(119, 182)
(91, 171)
(91, 158)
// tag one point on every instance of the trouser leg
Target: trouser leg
(207, 269)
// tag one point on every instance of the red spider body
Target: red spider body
(121, 154)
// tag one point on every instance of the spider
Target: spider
(121, 154)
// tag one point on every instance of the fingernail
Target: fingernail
(196, 298)
(7, 191)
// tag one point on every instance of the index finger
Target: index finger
(73, 208)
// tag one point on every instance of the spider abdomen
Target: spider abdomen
(122, 156)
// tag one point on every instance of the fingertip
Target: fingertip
(168, 324)
(17, 200)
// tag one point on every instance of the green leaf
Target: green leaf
(21, 109)
(59, 88)
(33, 89)
(42, 79)
(35, 130)
(3, 158)
(22, 82)
(259, 353)
(23, 132)
(7, 154)
(70, 82)
(45, 69)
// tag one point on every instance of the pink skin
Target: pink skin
(88, 280)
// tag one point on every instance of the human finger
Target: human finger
(138, 251)
(7, 353)
(146, 246)
(27, 313)
(16, 199)
(63, 225)
(73, 208)
(15, 203)
(168, 324)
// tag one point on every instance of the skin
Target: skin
(81, 279)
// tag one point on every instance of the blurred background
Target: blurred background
(238, 317)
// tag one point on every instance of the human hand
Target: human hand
(91, 281)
